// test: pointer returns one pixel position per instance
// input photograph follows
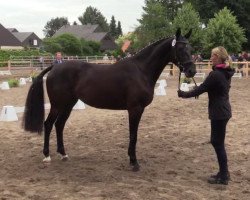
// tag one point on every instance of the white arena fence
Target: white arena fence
(27, 65)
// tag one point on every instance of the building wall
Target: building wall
(30, 41)
(11, 47)
(108, 43)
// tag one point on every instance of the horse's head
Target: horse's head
(182, 51)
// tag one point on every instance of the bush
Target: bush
(66, 43)
(5, 55)
(13, 83)
(90, 47)
(51, 46)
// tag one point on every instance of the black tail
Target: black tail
(34, 107)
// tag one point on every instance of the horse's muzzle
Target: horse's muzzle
(190, 72)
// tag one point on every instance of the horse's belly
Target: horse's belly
(105, 99)
(106, 103)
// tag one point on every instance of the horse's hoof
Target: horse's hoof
(64, 157)
(47, 159)
(135, 167)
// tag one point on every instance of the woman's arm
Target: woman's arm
(209, 82)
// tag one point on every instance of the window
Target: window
(35, 42)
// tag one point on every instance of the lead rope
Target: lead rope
(179, 83)
(194, 81)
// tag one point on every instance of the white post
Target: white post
(8, 114)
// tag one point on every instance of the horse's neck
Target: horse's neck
(154, 59)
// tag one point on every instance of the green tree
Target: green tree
(224, 30)
(119, 29)
(94, 16)
(205, 8)
(240, 8)
(70, 44)
(171, 7)
(187, 18)
(66, 43)
(53, 25)
(112, 27)
(154, 23)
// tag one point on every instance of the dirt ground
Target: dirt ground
(173, 150)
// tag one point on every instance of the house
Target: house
(27, 39)
(12, 30)
(8, 40)
(89, 32)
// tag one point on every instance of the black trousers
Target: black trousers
(218, 133)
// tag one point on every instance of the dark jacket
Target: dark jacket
(217, 85)
(58, 61)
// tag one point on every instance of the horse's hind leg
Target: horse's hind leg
(60, 123)
(134, 120)
(48, 124)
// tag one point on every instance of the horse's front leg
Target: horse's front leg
(134, 120)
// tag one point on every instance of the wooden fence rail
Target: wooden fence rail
(29, 66)
(206, 67)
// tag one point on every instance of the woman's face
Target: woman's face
(215, 59)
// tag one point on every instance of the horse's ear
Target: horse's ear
(178, 33)
(188, 34)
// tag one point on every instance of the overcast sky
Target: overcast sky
(32, 15)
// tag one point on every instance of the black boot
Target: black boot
(219, 179)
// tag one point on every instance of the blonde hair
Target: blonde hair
(221, 52)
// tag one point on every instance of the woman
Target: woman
(217, 85)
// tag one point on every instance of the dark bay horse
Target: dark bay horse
(126, 85)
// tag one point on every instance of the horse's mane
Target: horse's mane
(150, 45)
